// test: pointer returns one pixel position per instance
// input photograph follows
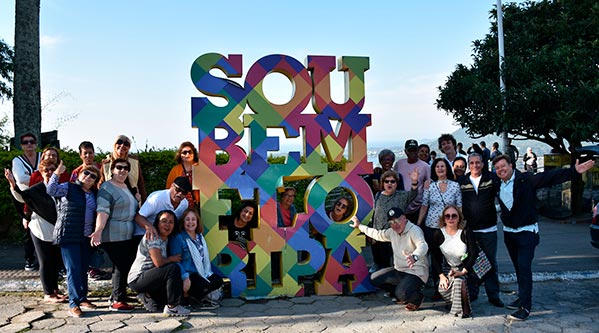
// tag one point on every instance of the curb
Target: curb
(548, 276)
(34, 284)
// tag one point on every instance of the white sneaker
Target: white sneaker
(177, 311)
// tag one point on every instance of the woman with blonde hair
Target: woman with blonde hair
(196, 269)
(135, 179)
(456, 245)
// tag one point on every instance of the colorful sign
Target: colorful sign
(339, 254)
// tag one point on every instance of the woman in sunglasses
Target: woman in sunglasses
(43, 218)
(186, 157)
(440, 192)
(53, 155)
(117, 207)
(341, 210)
(122, 144)
(76, 214)
(388, 198)
(456, 245)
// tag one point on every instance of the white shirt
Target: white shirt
(158, 201)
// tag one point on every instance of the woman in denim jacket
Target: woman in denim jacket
(196, 271)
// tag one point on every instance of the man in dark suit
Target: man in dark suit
(516, 192)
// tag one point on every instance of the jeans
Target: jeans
(163, 283)
(122, 254)
(76, 260)
(406, 287)
(48, 257)
(521, 248)
(488, 243)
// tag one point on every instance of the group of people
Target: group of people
(154, 241)
(157, 249)
(447, 212)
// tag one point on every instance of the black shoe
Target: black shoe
(30, 265)
(520, 314)
(515, 305)
(497, 302)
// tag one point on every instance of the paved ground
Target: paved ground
(564, 300)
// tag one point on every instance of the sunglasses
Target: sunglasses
(49, 170)
(90, 175)
(28, 142)
(186, 152)
(179, 190)
(389, 181)
(451, 216)
(121, 167)
(123, 142)
(340, 204)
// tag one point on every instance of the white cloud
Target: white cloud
(50, 41)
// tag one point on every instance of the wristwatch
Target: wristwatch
(415, 257)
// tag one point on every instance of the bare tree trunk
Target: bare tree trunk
(27, 110)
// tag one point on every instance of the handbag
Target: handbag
(482, 265)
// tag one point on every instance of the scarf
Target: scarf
(199, 256)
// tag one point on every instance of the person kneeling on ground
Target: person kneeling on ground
(410, 266)
(154, 275)
(196, 271)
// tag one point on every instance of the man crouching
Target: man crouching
(410, 266)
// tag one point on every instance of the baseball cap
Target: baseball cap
(411, 144)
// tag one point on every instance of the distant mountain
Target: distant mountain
(460, 135)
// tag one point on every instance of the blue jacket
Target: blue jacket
(71, 217)
(178, 245)
(526, 184)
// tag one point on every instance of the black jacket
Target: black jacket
(526, 184)
(478, 208)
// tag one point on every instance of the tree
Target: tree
(27, 97)
(550, 70)
(551, 74)
(6, 67)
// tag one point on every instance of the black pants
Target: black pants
(405, 287)
(200, 287)
(163, 283)
(488, 243)
(50, 261)
(122, 254)
(428, 237)
(28, 247)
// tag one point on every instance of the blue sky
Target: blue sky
(122, 67)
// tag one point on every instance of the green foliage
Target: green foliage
(6, 70)
(155, 165)
(550, 72)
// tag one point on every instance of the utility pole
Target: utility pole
(501, 57)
